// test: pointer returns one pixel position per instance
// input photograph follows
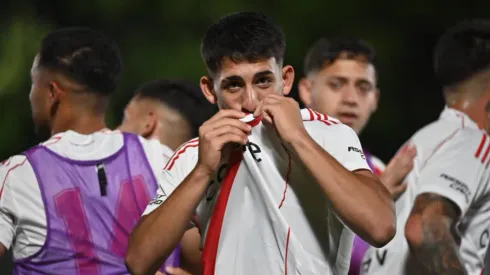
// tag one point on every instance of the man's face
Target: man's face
(241, 86)
(345, 89)
(40, 99)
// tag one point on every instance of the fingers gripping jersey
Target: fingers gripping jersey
(262, 213)
(454, 164)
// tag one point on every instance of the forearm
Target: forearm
(156, 235)
(437, 252)
(363, 203)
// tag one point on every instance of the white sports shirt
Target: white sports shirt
(275, 210)
(22, 214)
(452, 160)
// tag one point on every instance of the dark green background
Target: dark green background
(161, 39)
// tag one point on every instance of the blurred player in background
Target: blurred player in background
(244, 55)
(169, 113)
(69, 204)
(443, 216)
(341, 81)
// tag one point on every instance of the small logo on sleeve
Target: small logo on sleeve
(357, 150)
(458, 185)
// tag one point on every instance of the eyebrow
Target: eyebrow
(239, 78)
(263, 73)
(231, 79)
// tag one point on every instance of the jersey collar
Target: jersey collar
(456, 116)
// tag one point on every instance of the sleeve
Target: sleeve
(344, 145)
(454, 171)
(174, 172)
(7, 203)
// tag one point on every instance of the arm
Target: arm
(8, 206)
(154, 238)
(190, 252)
(158, 233)
(358, 197)
(429, 234)
(190, 255)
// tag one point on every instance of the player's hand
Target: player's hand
(396, 170)
(284, 114)
(222, 129)
(175, 271)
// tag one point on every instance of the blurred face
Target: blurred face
(241, 86)
(42, 98)
(345, 90)
(137, 118)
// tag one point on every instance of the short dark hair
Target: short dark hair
(86, 56)
(462, 51)
(182, 96)
(243, 36)
(325, 51)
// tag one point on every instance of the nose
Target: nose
(350, 96)
(250, 100)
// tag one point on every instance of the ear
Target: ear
(56, 92)
(304, 90)
(207, 89)
(376, 100)
(287, 79)
(150, 124)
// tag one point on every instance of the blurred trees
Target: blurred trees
(161, 39)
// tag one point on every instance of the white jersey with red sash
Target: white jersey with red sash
(263, 213)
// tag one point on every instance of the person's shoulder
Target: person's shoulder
(319, 125)
(186, 154)
(15, 166)
(466, 146)
(474, 142)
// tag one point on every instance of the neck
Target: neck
(473, 108)
(82, 124)
(172, 141)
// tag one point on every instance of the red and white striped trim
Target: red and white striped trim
(191, 143)
(314, 115)
(483, 150)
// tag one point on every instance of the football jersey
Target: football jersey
(360, 247)
(36, 187)
(263, 213)
(452, 161)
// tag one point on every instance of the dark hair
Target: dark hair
(182, 96)
(243, 36)
(326, 51)
(462, 51)
(86, 56)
